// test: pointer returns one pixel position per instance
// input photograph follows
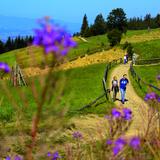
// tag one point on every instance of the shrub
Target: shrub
(125, 45)
(130, 50)
(128, 46)
(114, 37)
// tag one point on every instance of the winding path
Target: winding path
(135, 103)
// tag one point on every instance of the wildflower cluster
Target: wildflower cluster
(152, 96)
(15, 158)
(53, 39)
(126, 113)
(53, 156)
(119, 144)
(77, 135)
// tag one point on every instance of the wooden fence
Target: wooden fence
(140, 81)
(144, 61)
(16, 76)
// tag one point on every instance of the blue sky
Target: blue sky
(73, 10)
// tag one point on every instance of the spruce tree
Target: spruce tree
(84, 27)
(2, 49)
(8, 45)
(147, 20)
(99, 26)
(158, 20)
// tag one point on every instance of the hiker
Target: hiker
(115, 88)
(125, 59)
(134, 58)
(123, 83)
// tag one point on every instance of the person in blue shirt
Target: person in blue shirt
(123, 83)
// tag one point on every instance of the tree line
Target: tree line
(17, 43)
(102, 26)
(142, 23)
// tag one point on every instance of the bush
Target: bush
(125, 45)
(128, 46)
(130, 50)
(114, 37)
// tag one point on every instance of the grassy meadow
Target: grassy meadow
(148, 50)
(78, 80)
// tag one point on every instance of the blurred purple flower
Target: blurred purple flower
(56, 156)
(127, 114)
(158, 99)
(17, 158)
(53, 39)
(135, 143)
(49, 154)
(77, 135)
(150, 96)
(118, 146)
(4, 67)
(107, 117)
(109, 142)
(158, 77)
(53, 156)
(116, 113)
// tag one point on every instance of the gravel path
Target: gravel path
(135, 103)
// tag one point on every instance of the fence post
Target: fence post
(104, 87)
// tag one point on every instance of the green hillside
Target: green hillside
(139, 38)
(148, 49)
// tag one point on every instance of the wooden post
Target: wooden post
(16, 77)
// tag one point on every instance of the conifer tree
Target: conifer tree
(84, 27)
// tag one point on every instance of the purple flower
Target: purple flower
(150, 96)
(64, 52)
(49, 154)
(107, 117)
(77, 135)
(8, 158)
(127, 114)
(17, 158)
(158, 77)
(109, 142)
(158, 99)
(153, 95)
(53, 156)
(116, 113)
(135, 143)
(118, 146)
(4, 67)
(53, 39)
(56, 156)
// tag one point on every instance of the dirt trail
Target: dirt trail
(134, 101)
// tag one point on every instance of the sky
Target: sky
(74, 10)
